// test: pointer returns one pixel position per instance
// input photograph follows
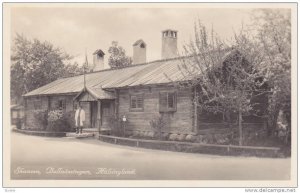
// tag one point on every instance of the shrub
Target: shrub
(41, 118)
(115, 125)
(173, 137)
(181, 137)
(70, 118)
(158, 123)
(165, 136)
(58, 121)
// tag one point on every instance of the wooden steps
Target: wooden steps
(87, 132)
(79, 135)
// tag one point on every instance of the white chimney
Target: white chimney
(98, 60)
(139, 52)
(169, 44)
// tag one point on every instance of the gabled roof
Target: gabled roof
(157, 72)
(96, 93)
(152, 73)
(138, 42)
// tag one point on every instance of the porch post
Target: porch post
(99, 115)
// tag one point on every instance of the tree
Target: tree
(118, 58)
(265, 46)
(272, 30)
(224, 80)
(35, 63)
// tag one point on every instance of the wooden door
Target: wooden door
(94, 110)
(106, 113)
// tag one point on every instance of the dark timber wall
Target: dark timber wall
(51, 103)
(180, 121)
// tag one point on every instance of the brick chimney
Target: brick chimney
(98, 60)
(169, 44)
(139, 52)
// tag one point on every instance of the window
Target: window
(62, 104)
(167, 102)
(137, 102)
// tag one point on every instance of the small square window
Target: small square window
(137, 102)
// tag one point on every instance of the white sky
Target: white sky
(77, 29)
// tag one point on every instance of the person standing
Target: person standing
(79, 119)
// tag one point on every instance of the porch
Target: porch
(100, 109)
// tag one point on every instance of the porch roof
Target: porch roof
(96, 94)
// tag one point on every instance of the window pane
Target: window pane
(62, 104)
(167, 102)
(140, 101)
(133, 102)
(171, 100)
(163, 101)
(136, 101)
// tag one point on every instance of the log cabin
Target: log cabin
(140, 92)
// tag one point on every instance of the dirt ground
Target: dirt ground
(34, 157)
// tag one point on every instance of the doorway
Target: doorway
(107, 112)
(94, 112)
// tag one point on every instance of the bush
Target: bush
(116, 126)
(41, 118)
(70, 118)
(157, 124)
(59, 121)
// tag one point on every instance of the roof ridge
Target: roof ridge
(130, 66)
(141, 64)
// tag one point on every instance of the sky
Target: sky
(76, 29)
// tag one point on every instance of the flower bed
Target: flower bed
(195, 147)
